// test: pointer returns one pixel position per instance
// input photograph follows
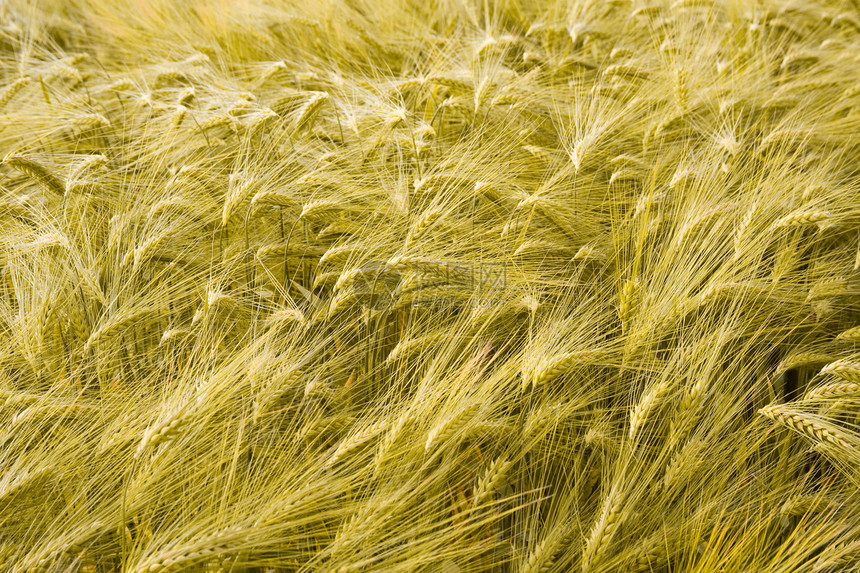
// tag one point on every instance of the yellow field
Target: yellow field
(442, 286)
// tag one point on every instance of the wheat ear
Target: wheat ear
(688, 412)
(683, 463)
(541, 559)
(115, 327)
(240, 189)
(181, 557)
(845, 369)
(36, 172)
(802, 218)
(357, 439)
(447, 429)
(392, 436)
(835, 390)
(12, 89)
(163, 431)
(802, 359)
(421, 226)
(308, 112)
(561, 364)
(647, 406)
(89, 163)
(628, 302)
(604, 529)
(850, 335)
(809, 428)
(492, 478)
(743, 231)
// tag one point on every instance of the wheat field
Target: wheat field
(442, 286)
